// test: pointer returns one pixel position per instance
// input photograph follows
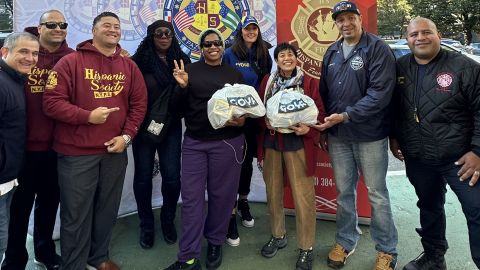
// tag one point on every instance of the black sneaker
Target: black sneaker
(214, 256)
(50, 263)
(185, 266)
(244, 212)
(233, 239)
(425, 261)
(273, 245)
(304, 261)
(169, 232)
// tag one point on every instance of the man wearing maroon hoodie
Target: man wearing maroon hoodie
(98, 99)
(38, 178)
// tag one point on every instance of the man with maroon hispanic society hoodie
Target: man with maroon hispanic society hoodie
(98, 99)
(38, 178)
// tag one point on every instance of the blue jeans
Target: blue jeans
(430, 186)
(349, 159)
(5, 201)
(168, 151)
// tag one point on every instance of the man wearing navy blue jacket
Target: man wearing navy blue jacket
(19, 55)
(358, 79)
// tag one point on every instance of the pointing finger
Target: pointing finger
(114, 109)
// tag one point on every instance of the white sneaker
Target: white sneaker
(233, 242)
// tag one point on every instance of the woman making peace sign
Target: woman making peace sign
(211, 158)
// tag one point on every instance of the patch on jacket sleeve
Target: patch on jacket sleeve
(52, 81)
(401, 80)
(356, 63)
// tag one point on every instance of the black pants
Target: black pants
(430, 185)
(90, 193)
(169, 153)
(37, 178)
(251, 130)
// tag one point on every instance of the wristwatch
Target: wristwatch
(128, 139)
(346, 118)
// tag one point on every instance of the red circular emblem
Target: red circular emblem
(444, 80)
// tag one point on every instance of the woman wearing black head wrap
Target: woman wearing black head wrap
(161, 131)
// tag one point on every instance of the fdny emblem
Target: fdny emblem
(444, 80)
(356, 63)
(191, 17)
(314, 31)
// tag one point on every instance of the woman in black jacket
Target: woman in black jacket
(161, 132)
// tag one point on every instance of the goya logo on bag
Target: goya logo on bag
(243, 102)
(295, 106)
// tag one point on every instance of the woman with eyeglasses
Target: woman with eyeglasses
(249, 55)
(211, 158)
(155, 57)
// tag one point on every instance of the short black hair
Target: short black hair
(104, 14)
(205, 34)
(284, 47)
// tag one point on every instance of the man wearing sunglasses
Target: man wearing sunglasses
(38, 178)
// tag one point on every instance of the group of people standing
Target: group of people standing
(64, 130)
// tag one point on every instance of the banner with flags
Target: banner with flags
(189, 18)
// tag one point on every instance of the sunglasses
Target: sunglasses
(160, 34)
(53, 25)
(208, 44)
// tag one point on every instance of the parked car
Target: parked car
(401, 48)
(3, 36)
(475, 48)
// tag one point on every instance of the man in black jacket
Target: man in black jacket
(19, 55)
(38, 183)
(437, 134)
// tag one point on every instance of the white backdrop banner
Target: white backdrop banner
(189, 18)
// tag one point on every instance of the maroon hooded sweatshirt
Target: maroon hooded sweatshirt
(83, 81)
(39, 126)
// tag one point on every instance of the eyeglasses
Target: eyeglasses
(160, 34)
(53, 25)
(208, 44)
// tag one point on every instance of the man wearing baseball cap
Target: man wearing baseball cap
(358, 79)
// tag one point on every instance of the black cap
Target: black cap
(344, 6)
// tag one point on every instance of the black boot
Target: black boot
(427, 261)
(167, 217)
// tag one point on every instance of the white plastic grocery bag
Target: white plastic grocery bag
(290, 107)
(234, 101)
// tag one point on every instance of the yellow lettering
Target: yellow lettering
(89, 74)
(95, 86)
(32, 80)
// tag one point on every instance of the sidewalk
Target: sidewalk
(126, 251)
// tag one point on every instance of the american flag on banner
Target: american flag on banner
(148, 11)
(184, 18)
